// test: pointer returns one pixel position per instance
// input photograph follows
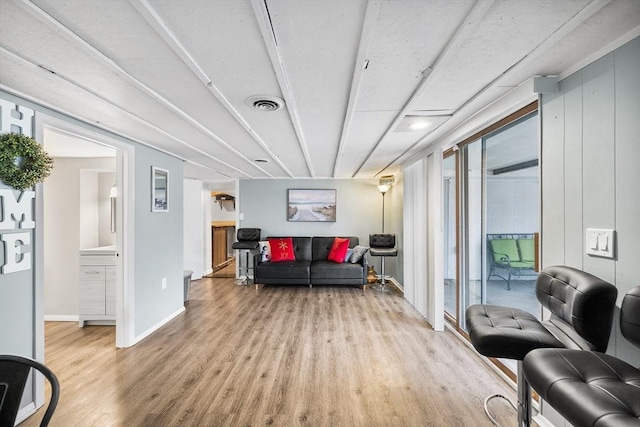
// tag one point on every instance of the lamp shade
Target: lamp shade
(384, 188)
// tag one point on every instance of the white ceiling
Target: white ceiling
(176, 74)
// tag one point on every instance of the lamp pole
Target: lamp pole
(383, 193)
(383, 189)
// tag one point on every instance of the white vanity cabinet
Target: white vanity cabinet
(98, 285)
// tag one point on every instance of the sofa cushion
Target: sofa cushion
(322, 245)
(323, 270)
(281, 249)
(347, 256)
(338, 250)
(358, 253)
(285, 272)
(265, 250)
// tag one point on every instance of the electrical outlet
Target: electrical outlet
(164, 283)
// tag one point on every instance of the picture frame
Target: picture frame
(159, 189)
(311, 205)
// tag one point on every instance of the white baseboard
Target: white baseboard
(61, 318)
(542, 421)
(25, 412)
(207, 272)
(396, 284)
(157, 326)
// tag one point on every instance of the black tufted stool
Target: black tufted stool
(581, 308)
(382, 245)
(248, 239)
(591, 388)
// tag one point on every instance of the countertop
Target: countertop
(223, 223)
(102, 250)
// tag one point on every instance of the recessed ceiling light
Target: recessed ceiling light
(420, 124)
(265, 102)
(423, 121)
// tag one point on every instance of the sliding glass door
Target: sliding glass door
(490, 219)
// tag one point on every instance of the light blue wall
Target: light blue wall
(158, 239)
(590, 175)
(158, 243)
(262, 203)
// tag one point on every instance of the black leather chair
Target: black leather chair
(382, 245)
(581, 307)
(591, 388)
(247, 241)
(14, 372)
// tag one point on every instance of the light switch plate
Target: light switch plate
(600, 242)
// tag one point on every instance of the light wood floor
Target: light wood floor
(279, 356)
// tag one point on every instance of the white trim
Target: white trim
(157, 326)
(124, 220)
(25, 413)
(539, 419)
(61, 318)
(207, 272)
(397, 284)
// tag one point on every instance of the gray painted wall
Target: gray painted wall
(590, 175)
(262, 203)
(18, 312)
(158, 243)
(158, 253)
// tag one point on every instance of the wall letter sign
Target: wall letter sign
(16, 214)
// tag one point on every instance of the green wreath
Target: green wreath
(23, 162)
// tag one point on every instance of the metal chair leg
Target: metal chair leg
(382, 286)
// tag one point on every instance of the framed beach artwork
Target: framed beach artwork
(159, 190)
(311, 205)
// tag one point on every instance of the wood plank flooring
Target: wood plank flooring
(274, 356)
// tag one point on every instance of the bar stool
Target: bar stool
(382, 245)
(248, 239)
(581, 307)
(590, 388)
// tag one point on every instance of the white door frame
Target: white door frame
(125, 160)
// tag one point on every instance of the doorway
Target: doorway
(95, 180)
(80, 247)
(491, 218)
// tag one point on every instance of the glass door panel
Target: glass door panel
(511, 212)
(490, 220)
(450, 235)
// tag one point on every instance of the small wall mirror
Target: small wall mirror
(159, 190)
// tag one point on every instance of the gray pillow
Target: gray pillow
(358, 252)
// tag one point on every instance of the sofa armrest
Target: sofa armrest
(257, 260)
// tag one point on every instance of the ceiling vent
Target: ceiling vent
(265, 103)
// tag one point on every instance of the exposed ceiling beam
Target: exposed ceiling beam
(464, 31)
(158, 24)
(368, 27)
(134, 117)
(99, 55)
(268, 35)
(569, 26)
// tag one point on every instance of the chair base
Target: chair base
(524, 401)
(244, 279)
(381, 287)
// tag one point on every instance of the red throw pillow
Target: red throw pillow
(338, 250)
(282, 249)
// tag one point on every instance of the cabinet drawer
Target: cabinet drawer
(92, 273)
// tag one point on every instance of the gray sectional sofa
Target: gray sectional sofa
(311, 266)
